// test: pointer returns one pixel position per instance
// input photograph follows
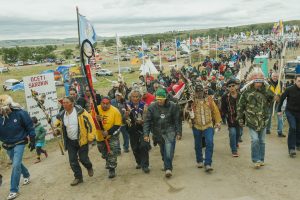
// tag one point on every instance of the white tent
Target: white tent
(148, 67)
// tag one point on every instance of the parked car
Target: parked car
(3, 69)
(9, 83)
(125, 70)
(171, 59)
(77, 59)
(104, 72)
(290, 68)
(19, 63)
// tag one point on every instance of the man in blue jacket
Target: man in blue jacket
(16, 128)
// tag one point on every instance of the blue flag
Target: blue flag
(86, 30)
(177, 43)
(140, 55)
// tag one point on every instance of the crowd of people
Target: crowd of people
(205, 96)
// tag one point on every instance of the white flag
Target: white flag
(144, 45)
(118, 41)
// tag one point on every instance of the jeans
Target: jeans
(294, 129)
(279, 121)
(257, 145)
(167, 149)
(75, 151)
(209, 141)
(234, 136)
(16, 155)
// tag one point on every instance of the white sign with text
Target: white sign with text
(41, 84)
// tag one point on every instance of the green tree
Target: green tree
(68, 53)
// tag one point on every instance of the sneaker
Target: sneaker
(208, 168)
(262, 164)
(46, 154)
(168, 173)
(126, 150)
(138, 166)
(200, 164)
(76, 181)
(26, 181)
(235, 155)
(292, 152)
(90, 172)
(111, 173)
(240, 140)
(146, 170)
(12, 195)
(257, 165)
(268, 132)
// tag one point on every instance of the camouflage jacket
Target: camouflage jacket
(252, 108)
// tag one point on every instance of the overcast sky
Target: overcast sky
(26, 19)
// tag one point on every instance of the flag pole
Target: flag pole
(216, 46)
(190, 53)
(117, 41)
(77, 14)
(176, 54)
(160, 66)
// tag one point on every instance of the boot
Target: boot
(112, 173)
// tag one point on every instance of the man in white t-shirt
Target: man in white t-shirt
(78, 130)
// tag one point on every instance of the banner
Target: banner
(41, 84)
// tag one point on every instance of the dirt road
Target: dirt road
(232, 178)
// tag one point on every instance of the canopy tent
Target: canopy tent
(60, 69)
(49, 71)
(17, 87)
(148, 67)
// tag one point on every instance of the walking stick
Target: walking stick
(40, 100)
(88, 50)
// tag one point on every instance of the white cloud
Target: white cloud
(57, 18)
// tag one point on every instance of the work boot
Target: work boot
(90, 172)
(112, 173)
(76, 181)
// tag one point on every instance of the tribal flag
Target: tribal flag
(86, 30)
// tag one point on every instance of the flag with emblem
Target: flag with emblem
(86, 30)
